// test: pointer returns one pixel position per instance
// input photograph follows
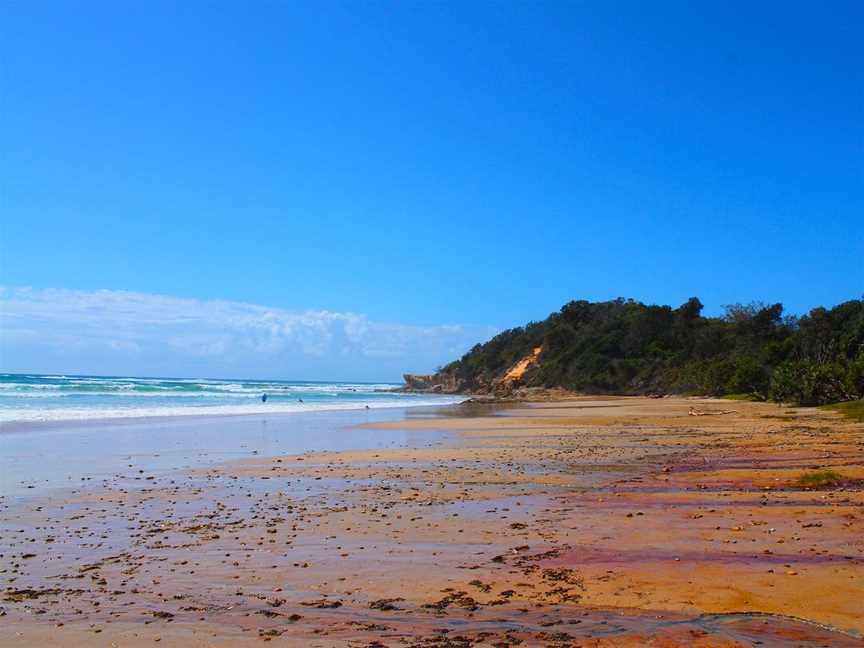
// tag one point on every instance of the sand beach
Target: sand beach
(590, 521)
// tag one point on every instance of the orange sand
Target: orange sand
(590, 522)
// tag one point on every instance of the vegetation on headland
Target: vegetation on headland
(851, 409)
(627, 347)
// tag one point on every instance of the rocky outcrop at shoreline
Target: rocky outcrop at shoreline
(438, 383)
(447, 381)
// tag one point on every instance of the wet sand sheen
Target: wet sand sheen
(588, 522)
(39, 456)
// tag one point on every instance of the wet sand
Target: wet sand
(586, 522)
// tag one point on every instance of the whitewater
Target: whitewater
(31, 397)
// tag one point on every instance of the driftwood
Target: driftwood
(695, 412)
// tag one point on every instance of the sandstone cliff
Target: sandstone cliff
(448, 382)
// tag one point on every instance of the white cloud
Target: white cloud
(129, 332)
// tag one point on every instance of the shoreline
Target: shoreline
(611, 521)
(16, 426)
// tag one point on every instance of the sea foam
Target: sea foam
(33, 398)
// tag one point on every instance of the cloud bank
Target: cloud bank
(129, 333)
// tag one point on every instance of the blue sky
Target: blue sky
(447, 168)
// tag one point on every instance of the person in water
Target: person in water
(263, 398)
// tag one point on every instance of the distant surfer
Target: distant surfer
(263, 398)
(299, 400)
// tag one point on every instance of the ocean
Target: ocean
(32, 398)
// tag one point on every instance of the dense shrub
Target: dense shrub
(809, 383)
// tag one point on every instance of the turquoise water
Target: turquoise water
(29, 397)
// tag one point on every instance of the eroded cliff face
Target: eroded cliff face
(516, 373)
(448, 382)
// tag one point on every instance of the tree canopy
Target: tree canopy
(627, 347)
